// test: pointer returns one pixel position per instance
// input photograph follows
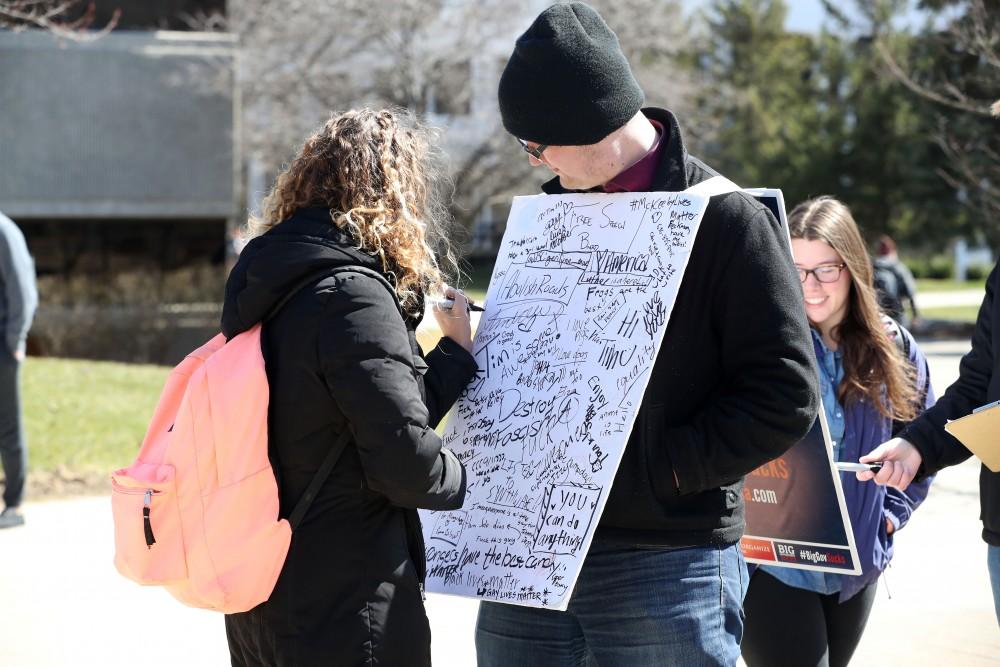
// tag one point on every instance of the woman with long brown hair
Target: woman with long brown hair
(873, 378)
(350, 241)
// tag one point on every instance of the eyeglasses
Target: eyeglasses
(828, 273)
(535, 152)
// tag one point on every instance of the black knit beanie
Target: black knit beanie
(567, 82)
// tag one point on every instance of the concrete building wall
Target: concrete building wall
(133, 125)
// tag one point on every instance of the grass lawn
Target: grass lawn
(954, 313)
(86, 416)
(477, 279)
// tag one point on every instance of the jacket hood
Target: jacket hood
(298, 249)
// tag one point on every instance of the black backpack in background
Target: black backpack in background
(889, 288)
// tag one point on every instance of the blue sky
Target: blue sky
(803, 15)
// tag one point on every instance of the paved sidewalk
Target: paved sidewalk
(64, 604)
(972, 297)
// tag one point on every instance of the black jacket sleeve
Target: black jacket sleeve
(898, 505)
(367, 363)
(975, 373)
(769, 394)
(450, 367)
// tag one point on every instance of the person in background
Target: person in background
(20, 298)
(924, 447)
(733, 385)
(357, 219)
(873, 377)
(894, 283)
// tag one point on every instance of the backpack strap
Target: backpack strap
(902, 341)
(318, 480)
(313, 278)
(325, 468)
(895, 332)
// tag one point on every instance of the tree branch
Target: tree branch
(54, 18)
(959, 101)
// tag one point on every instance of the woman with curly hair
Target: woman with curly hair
(873, 378)
(343, 256)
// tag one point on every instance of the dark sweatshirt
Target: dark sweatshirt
(735, 381)
(978, 383)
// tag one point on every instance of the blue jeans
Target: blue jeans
(13, 450)
(993, 563)
(631, 607)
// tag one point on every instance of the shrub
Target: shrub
(197, 283)
(134, 316)
(941, 268)
(977, 272)
(918, 267)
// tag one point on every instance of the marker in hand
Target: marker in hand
(845, 466)
(447, 304)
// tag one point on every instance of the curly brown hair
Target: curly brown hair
(379, 174)
(874, 367)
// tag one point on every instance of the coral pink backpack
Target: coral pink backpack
(197, 512)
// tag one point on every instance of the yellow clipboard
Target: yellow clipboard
(980, 433)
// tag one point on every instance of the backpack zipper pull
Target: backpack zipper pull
(147, 527)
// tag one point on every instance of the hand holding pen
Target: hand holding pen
(452, 315)
(447, 304)
(848, 466)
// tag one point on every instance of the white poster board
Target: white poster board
(581, 294)
(774, 200)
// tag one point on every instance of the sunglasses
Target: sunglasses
(535, 152)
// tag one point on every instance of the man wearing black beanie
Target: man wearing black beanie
(734, 384)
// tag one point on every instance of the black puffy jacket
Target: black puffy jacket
(340, 355)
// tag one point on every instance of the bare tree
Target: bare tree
(441, 59)
(301, 60)
(66, 18)
(964, 85)
(654, 35)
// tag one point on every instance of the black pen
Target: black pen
(846, 466)
(446, 304)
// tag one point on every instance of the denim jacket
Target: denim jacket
(869, 504)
